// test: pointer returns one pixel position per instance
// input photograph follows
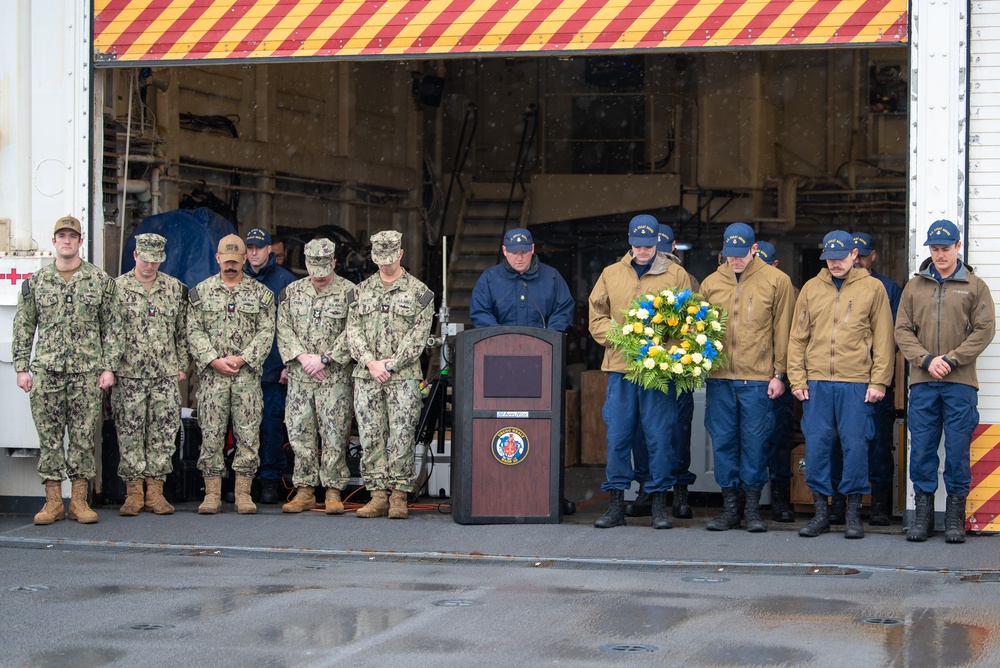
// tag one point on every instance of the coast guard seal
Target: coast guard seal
(510, 446)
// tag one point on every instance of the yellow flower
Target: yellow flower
(637, 327)
(657, 302)
(686, 360)
(685, 345)
(658, 318)
(692, 310)
(656, 340)
(653, 351)
(672, 320)
(673, 349)
(701, 326)
(684, 329)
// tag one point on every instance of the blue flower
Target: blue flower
(710, 352)
(648, 305)
(642, 351)
(702, 312)
(682, 297)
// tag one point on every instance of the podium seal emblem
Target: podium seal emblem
(510, 446)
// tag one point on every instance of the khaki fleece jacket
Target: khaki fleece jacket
(842, 335)
(760, 314)
(618, 286)
(956, 319)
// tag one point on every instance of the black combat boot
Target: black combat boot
(681, 507)
(881, 506)
(729, 518)
(641, 507)
(855, 529)
(659, 510)
(615, 517)
(751, 512)
(820, 523)
(269, 491)
(923, 518)
(838, 508)
(954, 519)
(781, 501)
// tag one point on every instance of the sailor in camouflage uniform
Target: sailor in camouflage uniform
(70, 304)
(230, 329)
(387, 328)
(312, 314)
(150, 356)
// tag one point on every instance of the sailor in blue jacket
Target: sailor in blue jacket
(262, 266)
(521, 290)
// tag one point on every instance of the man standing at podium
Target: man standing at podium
(628, 406)
(521, 290)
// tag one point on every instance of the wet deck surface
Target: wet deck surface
(317, 590)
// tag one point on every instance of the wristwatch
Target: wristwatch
(324, 359)
(779, 376)
(388, 366)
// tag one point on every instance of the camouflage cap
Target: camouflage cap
(320, 257)
(231, 247)
(387, 247)
(68, 223)
(149, 247)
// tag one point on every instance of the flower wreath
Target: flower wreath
(670, 336)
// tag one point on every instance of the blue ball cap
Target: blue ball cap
(837, 245)
(863, 242)
(766, 252)
(258, 237)
(737, 240)
(665, 239)
(644, 230)
(518, 240)
(942, 233)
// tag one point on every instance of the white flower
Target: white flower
(715, 313)
(670, 297)
(718, 346)
(649, 331)
(716, 327)
(707, 365)
(701, 339)
(689, 320)
(696, 358)
(664, 366)
(705, 304)
(632, 313)
(696, 371)
(627, 329)
(649, 298)
(649, 362)
(678, 368)
(642, 314)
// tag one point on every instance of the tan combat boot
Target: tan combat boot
(134, 501)
(79, 509)
(244, 504)
(213, 496)
(155, 503)
(53, 510)
(304, 499)
(332, 503)
(397, 505)
(377, 507)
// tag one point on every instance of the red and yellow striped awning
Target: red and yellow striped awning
(137, 31)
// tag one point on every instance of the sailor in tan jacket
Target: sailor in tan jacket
(739, 401)
(840, 361)
(628, 406)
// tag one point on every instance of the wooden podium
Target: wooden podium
(507, 433)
